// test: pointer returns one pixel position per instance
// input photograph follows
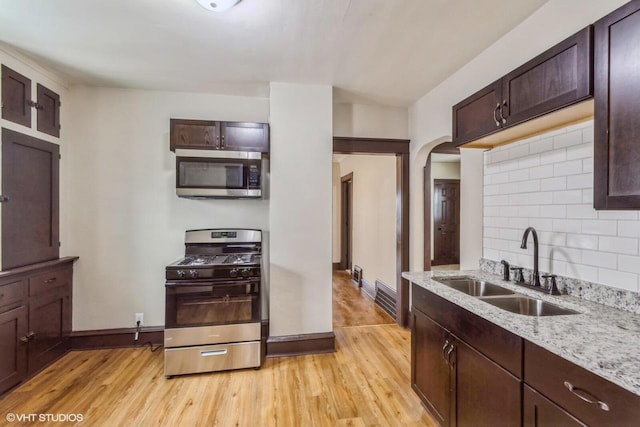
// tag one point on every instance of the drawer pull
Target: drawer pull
(213, 352)
(586, 396)
(53, 279)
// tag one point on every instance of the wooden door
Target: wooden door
(30, 178)
(446, 221)
(346, 221)
(48, 111)
(431, 377)
(13, 351)
(48, 328)
(617, 108)
(478, 115)
(538, 411)
(556, 78)
(240, 136)
(194, 134)
(16, 97)
(486, 394)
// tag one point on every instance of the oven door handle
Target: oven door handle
(210, 283)
(213, 352)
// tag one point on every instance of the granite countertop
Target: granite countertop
(601, 339)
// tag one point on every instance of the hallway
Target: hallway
(352, 306)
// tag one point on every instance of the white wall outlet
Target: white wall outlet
(140, 318)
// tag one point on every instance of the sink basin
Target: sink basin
(528, 306)
(473, 287)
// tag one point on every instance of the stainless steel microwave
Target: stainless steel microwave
(218, 174)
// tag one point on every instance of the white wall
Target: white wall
(300, 209)
(374, 215)
(373, 121)
(547, 182)
(441, 170)
(38, 74)
(125, 219)
(430, 117)
(470, 208)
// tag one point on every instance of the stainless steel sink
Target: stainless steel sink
(473, 287)
(528, 306)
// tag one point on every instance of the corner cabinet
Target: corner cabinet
(459, 384)
(216, 135)
(35, 318)
(559, 77)
(617, 108)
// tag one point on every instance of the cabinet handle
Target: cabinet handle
(586, 396)
(32, 335)
(444, 348)
(495, 117)
(217, 142)
(449, 353)
(24, 339)
(222, 143)
(3, 199)
(53, 279)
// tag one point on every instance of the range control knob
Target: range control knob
(233, 272)
(193, 273)
(245, 272)
(181, 274)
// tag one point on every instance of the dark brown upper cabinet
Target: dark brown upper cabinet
(48, 107)
(216, 135)
(30, 200)
(16, 97)
(557, 78)
(617, 108)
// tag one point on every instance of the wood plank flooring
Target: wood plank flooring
(365, 383)
(352, 306)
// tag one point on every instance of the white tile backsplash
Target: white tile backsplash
(547, 182)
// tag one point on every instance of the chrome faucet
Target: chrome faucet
(535, 279)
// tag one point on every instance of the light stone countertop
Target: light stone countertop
(603, 340)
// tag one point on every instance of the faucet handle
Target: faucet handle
(505, 270)
(518, 276)
(551, 285)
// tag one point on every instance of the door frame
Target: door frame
(346, 235)
(453, 181)
(399, 148)
(443, 148)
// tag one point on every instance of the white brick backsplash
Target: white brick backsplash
(553, 184)
(546, 182)
(600, 227)
(571, 167)
(618, 245)
(568, 139)
(584, 180)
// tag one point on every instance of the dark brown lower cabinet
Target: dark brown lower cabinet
(35, 318)
(539, 411)
(459, 385)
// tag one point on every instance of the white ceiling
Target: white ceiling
(372, 51)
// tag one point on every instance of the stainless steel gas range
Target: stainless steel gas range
(213, 306)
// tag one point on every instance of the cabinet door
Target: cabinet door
(430, 371)
(557, 78)
(16, 97)
(541, 412)
(13, 351)
(486, 394)
(194, 134)
(478, 115)
(48, 111)
(30, 177)
(238, 136)
(617, 108)
(48, 327)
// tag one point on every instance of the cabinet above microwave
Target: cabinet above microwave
(217, 135)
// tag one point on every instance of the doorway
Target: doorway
(346, 220)
(446, 221)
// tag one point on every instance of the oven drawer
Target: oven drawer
(202, 335)
(209, 358)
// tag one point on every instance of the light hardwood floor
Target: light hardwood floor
(352, 306)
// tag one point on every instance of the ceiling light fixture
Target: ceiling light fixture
(218, 5)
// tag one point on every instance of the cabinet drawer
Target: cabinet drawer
(551, 376)
(496, 343)
(49, 280)
(209, 358)
(13, 292)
